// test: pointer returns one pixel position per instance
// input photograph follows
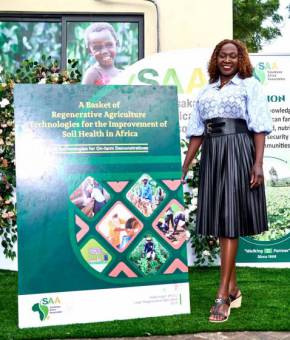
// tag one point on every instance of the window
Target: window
(22, 40)
(62, 37)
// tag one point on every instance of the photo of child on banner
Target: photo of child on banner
(101, 42)
(102, 49)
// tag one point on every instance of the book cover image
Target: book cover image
(100, 204)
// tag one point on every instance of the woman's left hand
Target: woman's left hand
(257, 176)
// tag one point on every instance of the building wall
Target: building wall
(194, 23)
(183, 24)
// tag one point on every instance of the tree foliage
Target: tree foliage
(256, 21)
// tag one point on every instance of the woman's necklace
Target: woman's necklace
(224, 82)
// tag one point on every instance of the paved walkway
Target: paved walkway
(213, 336)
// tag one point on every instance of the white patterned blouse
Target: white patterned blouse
(239, 98)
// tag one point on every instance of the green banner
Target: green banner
(272, 248)
(100, 205)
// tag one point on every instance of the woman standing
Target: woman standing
(230, 120)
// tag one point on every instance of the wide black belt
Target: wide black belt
(224, 126)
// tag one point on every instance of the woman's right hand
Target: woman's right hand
(194, 144)
(184, 173)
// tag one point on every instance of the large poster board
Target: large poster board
(100, 213)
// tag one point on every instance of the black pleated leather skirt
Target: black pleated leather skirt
(227, 207)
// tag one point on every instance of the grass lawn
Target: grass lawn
(266, 299)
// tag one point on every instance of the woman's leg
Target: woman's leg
(233, 286)
(228, 253)
(229, 247)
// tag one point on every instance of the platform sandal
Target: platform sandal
(236, 300)
(215, 310)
